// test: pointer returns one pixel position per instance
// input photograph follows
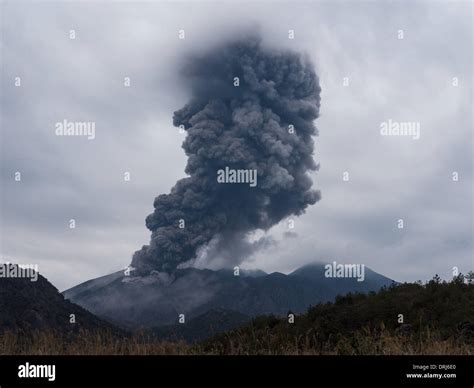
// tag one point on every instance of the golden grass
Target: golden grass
(363, 342)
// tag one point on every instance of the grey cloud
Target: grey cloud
(277, 89)
(389, 78)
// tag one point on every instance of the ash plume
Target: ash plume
(248, 126)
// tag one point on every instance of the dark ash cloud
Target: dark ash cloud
(240, 127)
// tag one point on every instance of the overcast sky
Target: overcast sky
(390, 178)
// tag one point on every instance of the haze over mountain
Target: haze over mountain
(158, 299)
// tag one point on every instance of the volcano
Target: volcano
(136, 302)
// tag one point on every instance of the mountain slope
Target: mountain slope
(158, 299)
(316, 272)
(28, 306)
(209, 324)
(438, 318)
(92, 285)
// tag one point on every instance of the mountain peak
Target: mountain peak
(144, 302)
(28, 305)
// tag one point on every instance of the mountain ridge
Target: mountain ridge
(27, 306)
(137, 302)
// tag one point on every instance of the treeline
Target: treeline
(434, 317)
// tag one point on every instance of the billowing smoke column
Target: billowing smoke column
(250, 109)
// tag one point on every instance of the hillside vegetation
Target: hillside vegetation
(438, 318)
